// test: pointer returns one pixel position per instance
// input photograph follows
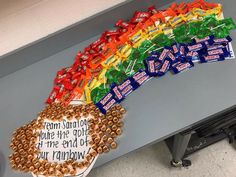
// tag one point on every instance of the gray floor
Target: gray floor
(218, 160)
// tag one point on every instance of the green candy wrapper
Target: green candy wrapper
(115, 76)
(162, 40)
(229, 23)
(99, 92)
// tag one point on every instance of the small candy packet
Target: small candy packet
(214, 47)
(104, 108)
(124, 89)
(205, 40)
(96, 61)
(177, 20)
(53, 94)
(124, 51)
(195, 47)
(117, 93)
(222, 51)
(141, 77)
(150, 66)
(223, 41)
(180, 67)
(105, 99)
(164, 54)
(211, 58)
(178, 50)
(164, 68)
(193, 56)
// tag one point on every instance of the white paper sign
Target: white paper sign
(68, 139)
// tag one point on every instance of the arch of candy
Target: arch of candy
(120, 61)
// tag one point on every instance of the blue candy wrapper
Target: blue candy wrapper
(105, 99)
(211, 58)
(155, 54)
(214, 47)
(172, 57)
(117, 93)
(141, 77)
(192, 56)
(223, 41)
(180, 67)
(127, 87)
(164, 68)
(195, 47)
(150, 66)
(164, 54)
(222, 51)
(106, 107)
(207, 40)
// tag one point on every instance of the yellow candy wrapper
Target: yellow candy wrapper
(199, 12)
(217, 11)
(109, 60)
(87, 95)
(167, 30)
(153, 31)
(190, 16)
(124, 51)
(137, 38)
(92, 83)
(177, 20)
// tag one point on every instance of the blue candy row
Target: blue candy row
(177, 58)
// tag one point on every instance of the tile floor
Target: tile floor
(218, 160)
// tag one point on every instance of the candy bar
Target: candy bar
(211, 58)
(150, 65)
(127, 87)
(172, 57)
(141, 77)
(222, 51)
(192, 56)
(142, 14)
(164, 54)
(105, 108)
(195, 47)
(117, 93)
(180, 67)
(214, 47)
(153, 10)
(178, 50)
(53, 95)
(222, 41)
(105, 99)
(205, 40)
(164, 68)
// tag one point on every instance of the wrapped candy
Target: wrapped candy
(211, 58)
(180, 67)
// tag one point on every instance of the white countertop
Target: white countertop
(25, 21)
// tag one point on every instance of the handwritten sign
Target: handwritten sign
(64, 140)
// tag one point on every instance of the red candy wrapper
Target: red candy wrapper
(122, 24)
(142, 14)
(152, 10)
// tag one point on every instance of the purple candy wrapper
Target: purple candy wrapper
(164, 68)
(106, 107)
(222, 51)
(180, 67)
(223, 41)
(211, 58)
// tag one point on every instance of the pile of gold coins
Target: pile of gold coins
(104, 129)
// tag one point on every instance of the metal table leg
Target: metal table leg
(179, 147)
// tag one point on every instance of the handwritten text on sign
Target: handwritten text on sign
(60, 141)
